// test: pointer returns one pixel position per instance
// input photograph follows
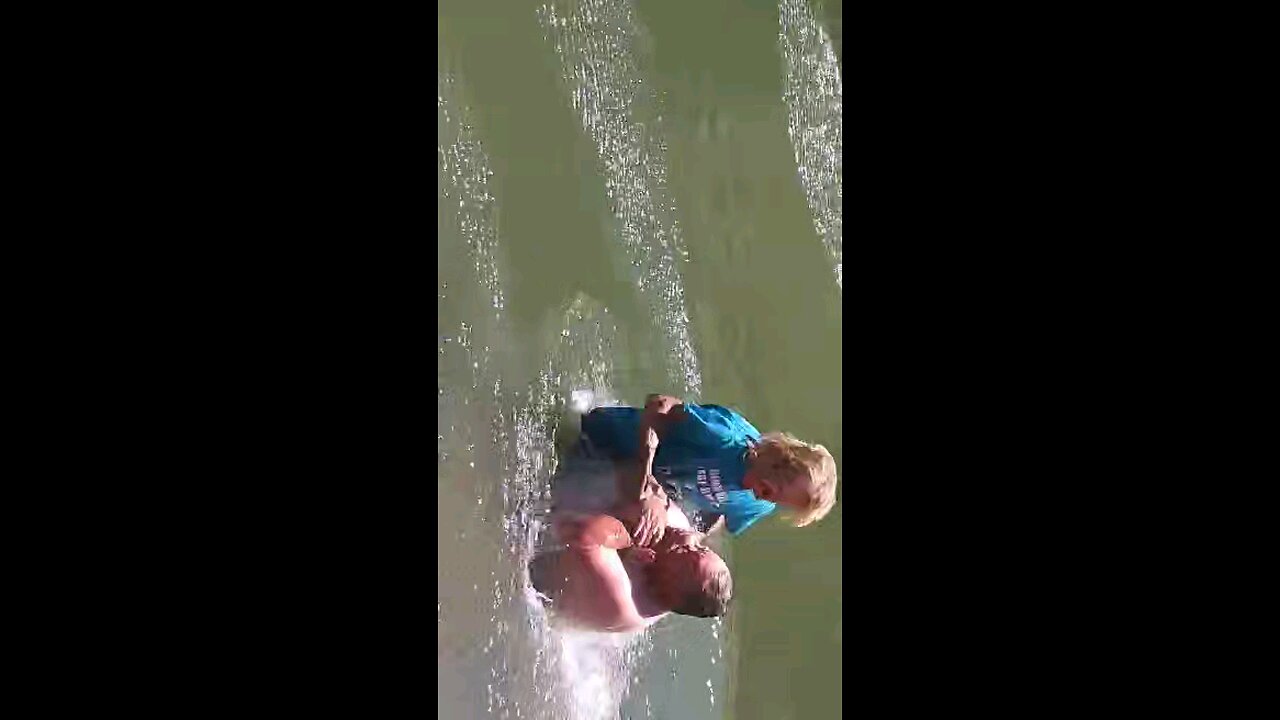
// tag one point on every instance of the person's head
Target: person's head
(545, 575)
(688, 577)
(794, 474)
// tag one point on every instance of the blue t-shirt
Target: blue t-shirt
(702, 456)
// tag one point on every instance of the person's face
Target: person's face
(681, 564)
(792, 494)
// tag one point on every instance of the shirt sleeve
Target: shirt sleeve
(742, 510)
(714, 427)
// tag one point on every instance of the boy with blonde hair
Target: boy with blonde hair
(711, 457)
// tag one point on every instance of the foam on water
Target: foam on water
(470, 412)
(814, 96)
(597, 44)
(580, 675)
(465, 165)
(496, 445)
(497, 641)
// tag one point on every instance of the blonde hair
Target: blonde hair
(784, 452)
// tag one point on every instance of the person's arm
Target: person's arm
(659, 412)
(596, 590)
(636, 483)
(646, 517)
(592, 531)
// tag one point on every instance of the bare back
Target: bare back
(592, 587)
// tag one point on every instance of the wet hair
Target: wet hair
(711, 599)
(541, 570)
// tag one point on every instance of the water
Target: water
(815, 97)
(633, 197)
(598, 44)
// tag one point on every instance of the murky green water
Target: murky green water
(634, 197)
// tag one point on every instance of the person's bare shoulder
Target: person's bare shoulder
(591, 587)
(590, 531)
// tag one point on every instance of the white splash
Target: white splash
(814, 96)
(465, 168)
(596, 41)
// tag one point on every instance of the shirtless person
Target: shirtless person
(600, 581)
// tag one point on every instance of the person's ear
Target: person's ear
(766, 490)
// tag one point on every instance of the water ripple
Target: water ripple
(813, 93)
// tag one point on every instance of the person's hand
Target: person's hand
(659, 404)
(637, 557)
(653, 513)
